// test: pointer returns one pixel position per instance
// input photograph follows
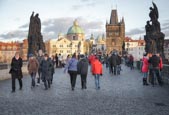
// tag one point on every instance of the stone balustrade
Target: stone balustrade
(4, 71)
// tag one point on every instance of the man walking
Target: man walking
(82, 69)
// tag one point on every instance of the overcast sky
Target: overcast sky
(58, 15)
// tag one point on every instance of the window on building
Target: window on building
(61, 46)
(54, 46)
(74, 37)
(61, 51)
(110, 34)
(116, 33)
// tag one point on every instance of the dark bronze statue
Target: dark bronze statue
(154, 38)
(35, 38)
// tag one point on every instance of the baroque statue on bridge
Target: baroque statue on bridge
(35, 38)
(154, 38)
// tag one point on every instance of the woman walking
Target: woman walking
(46, 67)
(72, 70)
(16, 71)
(145, 67)
(97, 72)
(33, 67)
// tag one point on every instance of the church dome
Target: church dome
(75, 29)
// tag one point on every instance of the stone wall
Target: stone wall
(4, 72)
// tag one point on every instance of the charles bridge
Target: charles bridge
(119, 95)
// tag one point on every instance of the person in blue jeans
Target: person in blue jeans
(97, 71)
(33, 66)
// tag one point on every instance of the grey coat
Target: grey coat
(82, 67)
(46, 67)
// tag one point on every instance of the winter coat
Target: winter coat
(118, 60)
(91, 59)
(113, 60)
(96, 67)
(16, 68)
(82, 66)
(52, 68)
(72, 64)
(33, 65)
(145, 65)
(46, 67)
(154, 61)
(39, 58)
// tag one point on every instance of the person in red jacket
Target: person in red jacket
(97, 71)
(144, 69)
(161, 63)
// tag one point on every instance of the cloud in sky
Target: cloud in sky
(52, 27)
(84, 3)
(14, 34)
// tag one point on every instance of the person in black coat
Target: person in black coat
(113, 63)
(46, 67)
(154, 63)
(16, 71)
(82, 68)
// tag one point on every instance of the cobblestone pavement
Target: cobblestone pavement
(119, 95)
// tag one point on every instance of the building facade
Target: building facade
(115, 33)
(135, 48)
(72, 42)
(8, 50)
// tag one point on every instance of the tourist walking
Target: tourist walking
(118, 64)
(145, 68)
(155, 62)
(46, 67)
(52, 69)
(131, 62)
(56, 60)
(82, 68)
(33, 67)
(39, 58)
(97, 71)
(16, 71)
(72, 70)
(113, 63)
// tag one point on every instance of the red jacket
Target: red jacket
(145, 65)
(96, 67)
(91, 59)
(161, 63)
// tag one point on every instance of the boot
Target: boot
(145, 81)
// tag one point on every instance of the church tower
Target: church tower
(115, 33)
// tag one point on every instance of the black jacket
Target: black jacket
(16, 67)
(118, 60)
(113, 60)
(154, 60)
(82, 66)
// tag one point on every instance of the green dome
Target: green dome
(75, 29)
